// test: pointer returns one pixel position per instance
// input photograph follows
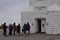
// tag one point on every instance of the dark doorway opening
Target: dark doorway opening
(39, 25)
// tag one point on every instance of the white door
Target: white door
(43, 25)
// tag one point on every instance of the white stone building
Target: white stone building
(43, 16)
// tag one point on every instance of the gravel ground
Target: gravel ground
(30, 37)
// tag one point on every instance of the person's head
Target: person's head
(14, 23)
(4, 23)
(27, 22)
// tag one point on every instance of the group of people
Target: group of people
(26, 27)
(13, 28)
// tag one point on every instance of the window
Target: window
(40, 8)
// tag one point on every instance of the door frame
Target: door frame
(36, 19)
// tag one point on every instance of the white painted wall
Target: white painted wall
(37, 3)
(54, 23)
(52, 18)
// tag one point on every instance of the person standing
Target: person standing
(10, 29)
(14, 28)
(28, 27)
(18, 29)
(4, 29)
(24, 28)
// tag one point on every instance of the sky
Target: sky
(10, 10)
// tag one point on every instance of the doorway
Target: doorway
(41, 24)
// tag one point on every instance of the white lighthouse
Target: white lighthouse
(43, 16)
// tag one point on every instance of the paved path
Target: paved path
(30, 37)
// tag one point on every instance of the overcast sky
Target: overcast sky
(10, 10)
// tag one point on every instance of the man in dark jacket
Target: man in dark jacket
(24, 28)
(4, 29)
(28, 27)
(14, 28)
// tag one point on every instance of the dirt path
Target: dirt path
(30, 37)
